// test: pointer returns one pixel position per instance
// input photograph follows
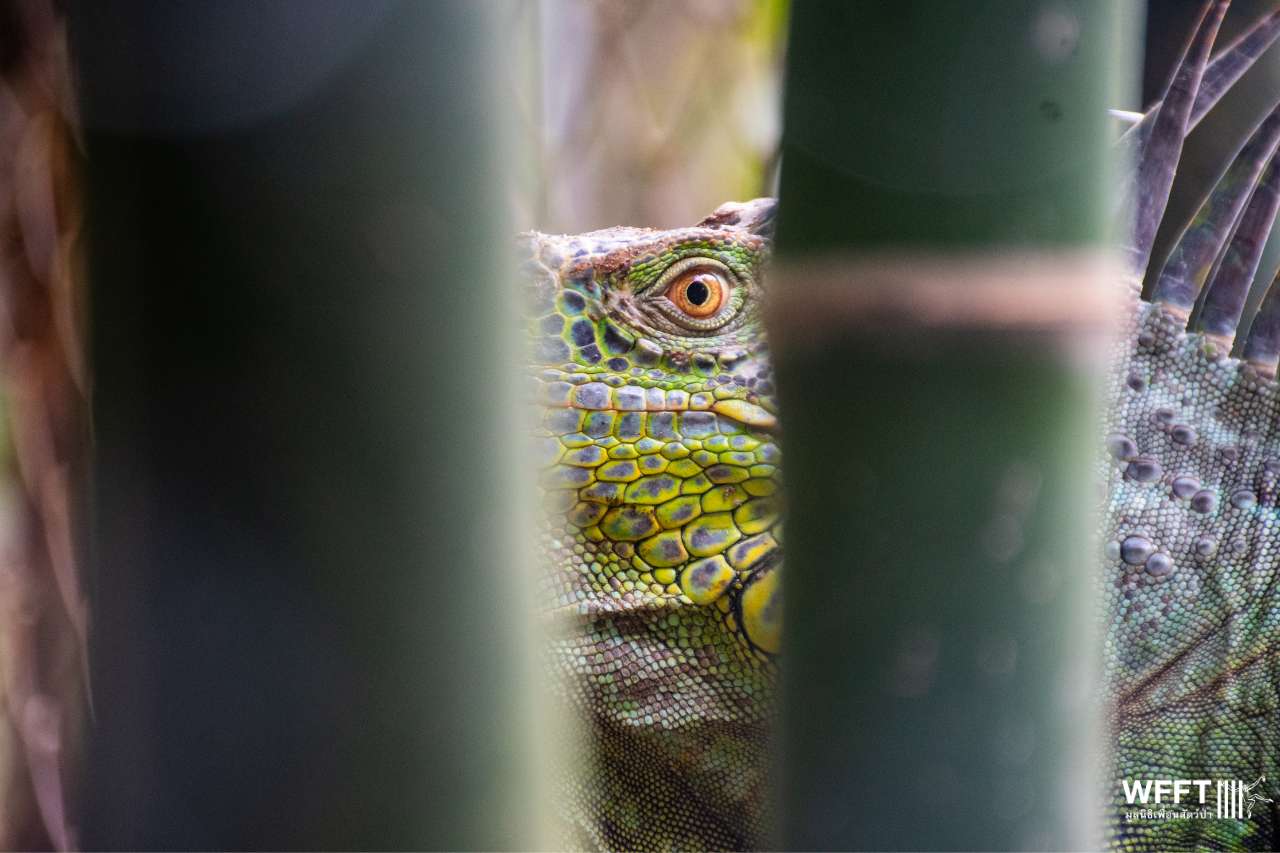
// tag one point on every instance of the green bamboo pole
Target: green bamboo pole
(307, 606)
(945, 178)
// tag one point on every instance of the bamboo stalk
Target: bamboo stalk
(943, 213)
(306, 600)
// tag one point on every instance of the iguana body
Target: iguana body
(660, 466)
(660, 526)
(1191, 557)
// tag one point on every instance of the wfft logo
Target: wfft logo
(1233, 798)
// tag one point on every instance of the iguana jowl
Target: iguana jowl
(660, 468)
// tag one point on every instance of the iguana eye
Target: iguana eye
(698, 292)
(697, 295)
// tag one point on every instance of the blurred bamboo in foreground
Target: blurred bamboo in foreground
(940, 266)
(43, 614)
(306, 550)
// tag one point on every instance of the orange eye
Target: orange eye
(698, 293)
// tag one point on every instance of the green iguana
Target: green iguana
(660, 468)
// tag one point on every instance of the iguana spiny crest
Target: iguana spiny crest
(1188, 599)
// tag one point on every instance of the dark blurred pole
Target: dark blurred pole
(944, 195)
(304, 632)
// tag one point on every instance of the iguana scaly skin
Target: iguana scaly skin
(660, 526)
(660, 531)
(1189, 586)
(1188, 598)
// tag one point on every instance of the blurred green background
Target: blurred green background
(644, 113)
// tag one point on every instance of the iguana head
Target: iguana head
(659, 417)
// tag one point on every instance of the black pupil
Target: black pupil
(697, 293)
